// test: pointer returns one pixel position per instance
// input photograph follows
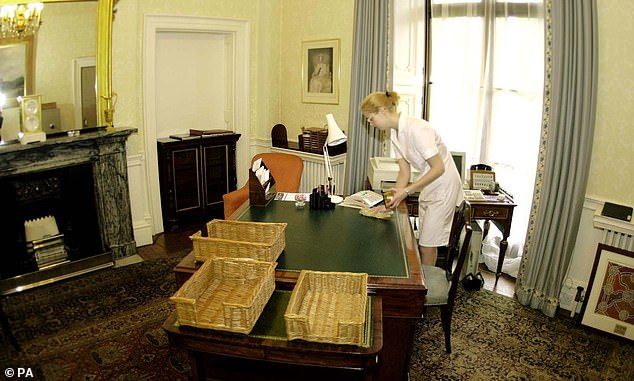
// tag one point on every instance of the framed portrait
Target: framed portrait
(16, 69)
(320, 71)
(608, 305)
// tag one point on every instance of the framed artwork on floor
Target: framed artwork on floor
(609, 302)
(320, 71)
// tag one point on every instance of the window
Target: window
(483, 90)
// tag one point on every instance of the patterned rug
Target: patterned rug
(496, 338)
(107, 326)
(103, 326)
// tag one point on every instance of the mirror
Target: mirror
(74, 40)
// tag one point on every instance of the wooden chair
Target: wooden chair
(442, 282)
(279, 137)
(285, 168)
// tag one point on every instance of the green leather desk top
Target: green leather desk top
(335, 240)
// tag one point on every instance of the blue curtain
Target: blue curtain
(369, 73)
(570, 89)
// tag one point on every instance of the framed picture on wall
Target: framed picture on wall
(320, 71)
(16, 69)
(608, 305)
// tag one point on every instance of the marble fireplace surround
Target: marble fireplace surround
(105, 150)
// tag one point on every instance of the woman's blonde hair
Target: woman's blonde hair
(378, 99)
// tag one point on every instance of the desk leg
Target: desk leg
(398, 341)
(503, 245)
(197, 364)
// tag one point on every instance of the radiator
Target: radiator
(314, 172)
(618, 239)
(616, 233)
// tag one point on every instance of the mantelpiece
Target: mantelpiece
(85, 180)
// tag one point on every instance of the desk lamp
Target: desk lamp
(334, 138)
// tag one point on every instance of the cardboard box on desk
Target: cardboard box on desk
(261, 194)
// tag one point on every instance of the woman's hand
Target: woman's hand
(398, 195)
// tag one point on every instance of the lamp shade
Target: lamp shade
(335, 135)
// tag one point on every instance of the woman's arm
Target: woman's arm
(402, 190)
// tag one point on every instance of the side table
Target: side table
(500, 212)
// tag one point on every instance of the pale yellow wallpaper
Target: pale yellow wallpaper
(263, 16)
(68, 32)
(612, 169)
(313, 20)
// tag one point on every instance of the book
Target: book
(195, 132)
(184, 136)
(362, 199)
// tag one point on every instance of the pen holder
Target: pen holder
(320, 200)
(258, 194)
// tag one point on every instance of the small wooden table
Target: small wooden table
(501, 214)
(266, 354)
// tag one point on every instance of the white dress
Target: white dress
(416, 142)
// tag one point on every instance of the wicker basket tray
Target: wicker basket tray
(226, 294)
(328, 307)
(263, 241)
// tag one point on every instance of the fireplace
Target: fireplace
(72, 190)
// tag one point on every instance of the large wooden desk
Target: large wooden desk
(343, 240)
(501, 214)
(266, 354)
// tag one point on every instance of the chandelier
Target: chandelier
(19, 20)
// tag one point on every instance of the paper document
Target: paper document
(286, 196)
(473, 195)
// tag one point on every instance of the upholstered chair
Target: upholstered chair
(285, 168)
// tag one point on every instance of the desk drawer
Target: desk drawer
(490, 212)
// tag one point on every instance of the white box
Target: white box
(385, 169)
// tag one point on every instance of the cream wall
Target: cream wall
(278, 28)
(313, 20)
(127, 57)
(612, 169)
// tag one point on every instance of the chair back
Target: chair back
(285, 168)
(279, 137)
(460, 228)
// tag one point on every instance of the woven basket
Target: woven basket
(328, 307)
(227, 294)
(263, 241)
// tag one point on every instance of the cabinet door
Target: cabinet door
(215, 159)
(186, 177)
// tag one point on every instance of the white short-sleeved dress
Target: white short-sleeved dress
(416, 142)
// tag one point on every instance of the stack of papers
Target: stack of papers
(261, 173)
(362, 199)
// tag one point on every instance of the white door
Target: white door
(195, 77)
(192, 77)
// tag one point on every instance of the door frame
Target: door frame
(155, 24)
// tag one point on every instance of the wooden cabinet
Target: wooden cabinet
(194, 173)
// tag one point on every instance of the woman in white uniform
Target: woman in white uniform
(419, 146)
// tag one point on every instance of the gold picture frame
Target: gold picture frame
(321, 70)
(17, 68)
(606, 305)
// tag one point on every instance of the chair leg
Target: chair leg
(445, 318)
